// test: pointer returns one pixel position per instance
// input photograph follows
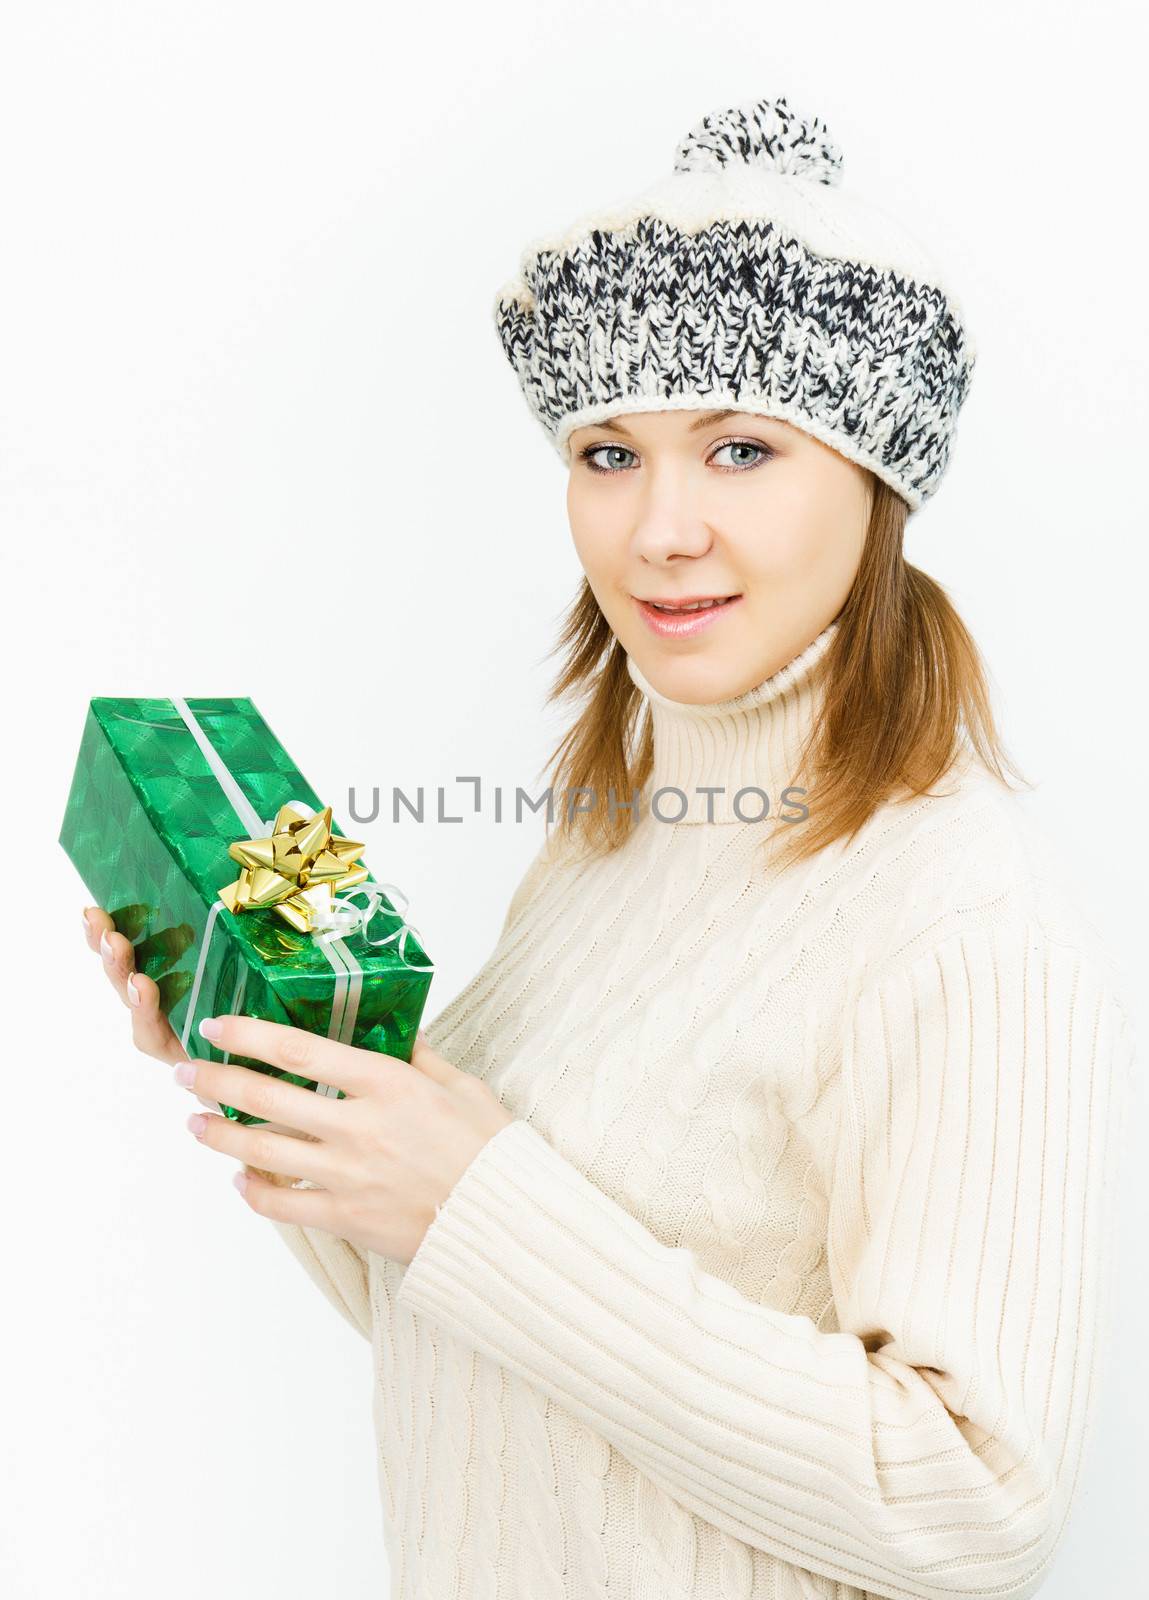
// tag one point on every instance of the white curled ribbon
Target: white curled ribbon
(340, 913)
(342, 917)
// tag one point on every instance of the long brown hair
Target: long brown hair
(905, 695)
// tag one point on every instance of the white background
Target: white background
(257, 436)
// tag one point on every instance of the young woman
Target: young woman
(744, 1228)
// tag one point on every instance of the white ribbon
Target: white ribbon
(342, 918)
(329, 925)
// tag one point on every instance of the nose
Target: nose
(666, 528)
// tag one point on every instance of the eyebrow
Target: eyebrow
(702, 422)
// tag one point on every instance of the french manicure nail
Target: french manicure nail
(211, 1027)
(105, 948)
(185, 1073)
(133, 992)
(87, 924)
(197, 1122)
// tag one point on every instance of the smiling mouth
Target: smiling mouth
(675, 608)
(684, 619)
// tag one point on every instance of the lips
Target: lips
(679, 623)
(692, 601)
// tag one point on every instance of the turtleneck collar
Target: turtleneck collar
(751, 741)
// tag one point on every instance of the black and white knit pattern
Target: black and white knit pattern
(738, 302)
(767, 133)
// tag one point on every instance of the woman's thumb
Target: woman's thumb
(430, 1062)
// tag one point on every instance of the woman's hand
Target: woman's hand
(151, 1031)
(384, 1158)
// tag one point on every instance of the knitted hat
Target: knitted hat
(747, 279)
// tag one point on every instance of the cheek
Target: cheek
(802, 535)
(775, 553)
(595, 542)
(588, 548)
(768, 534)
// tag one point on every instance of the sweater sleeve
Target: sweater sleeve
(928, 1446)
(335, 1266)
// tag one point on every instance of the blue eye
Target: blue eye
(588, 452)
(591, 450)
(745, 444)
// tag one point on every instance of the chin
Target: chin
(692, 681)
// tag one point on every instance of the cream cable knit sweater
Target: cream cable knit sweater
(790, 1278)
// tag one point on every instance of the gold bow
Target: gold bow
(297, 871)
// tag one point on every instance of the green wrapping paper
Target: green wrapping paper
(161, 789)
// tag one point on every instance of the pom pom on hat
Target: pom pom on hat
(765, 134)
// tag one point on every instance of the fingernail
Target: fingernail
(240, 1181)
(133, 992)
(87, 924)
(185, 1073)
(211, 1028)
(105, 948)
(197, 1124)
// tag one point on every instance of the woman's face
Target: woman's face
(679, 505)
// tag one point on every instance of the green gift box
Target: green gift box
(161, 790)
